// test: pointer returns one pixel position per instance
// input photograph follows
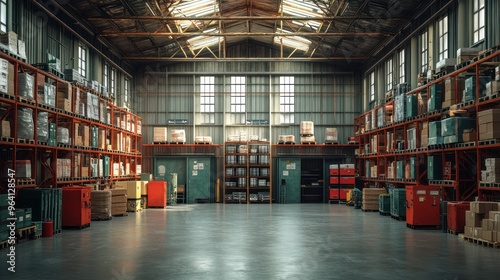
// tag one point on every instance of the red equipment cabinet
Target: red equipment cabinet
(76, 211)
(338, 194)
(422, 206)
(157, 194)
(455, 215)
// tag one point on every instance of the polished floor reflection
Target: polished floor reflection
(279, 241)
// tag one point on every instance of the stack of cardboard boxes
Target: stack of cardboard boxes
(63, 168)
(482, 221)
(466, 54)
(160, 134)
(452, 86)
(489, 124)
(492, 172)
(118, 202)
(64, 96)
(371, 198)
(331, 135)
(101, 205)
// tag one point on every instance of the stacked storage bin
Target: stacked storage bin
(470, 87)
(452, 129)
(436, 98)
(398, 200)
(435, 137)
(46, 204)
(384, 204)
(118, 202)
(434, 167)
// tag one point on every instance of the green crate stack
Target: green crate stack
(46, 204)
(413, 168)
(400, 169)
(436, 100)
(20, 218)
(398, 200)
(411, 106)
(52, 134)
(435, 137)
(94, 137)
(452, 129)
(384, 203)
(434, 167)
(470, 87)
(106, 165)
(28, 218)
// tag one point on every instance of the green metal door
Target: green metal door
(289, 180)
(199, 179)
(164, 166)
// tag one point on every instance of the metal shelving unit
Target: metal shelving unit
(456, 178)
(247, 172)
(119, 136)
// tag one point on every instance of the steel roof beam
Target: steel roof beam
(242, 34)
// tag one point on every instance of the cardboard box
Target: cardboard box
(468, 231)
(160, 134)
(64, 104)
(488, 116)
(483, 207)
(489, 135)
(495, 216)
(5, 129)
(469, 135)
(478, 232)
(144, 187)
(488, 224)
(473, 219)
(487, 235)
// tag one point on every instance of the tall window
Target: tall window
(105, 76)
(443, 38)
(82, 61)
(371, 78)
(125, 91)
(478, 20)
(3, 15)
(238, 89)
(424, 51)
(207, 99)
(112, 83)
(287, 99)
(389, 74)
(402, 76)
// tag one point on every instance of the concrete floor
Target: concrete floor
(279, 241)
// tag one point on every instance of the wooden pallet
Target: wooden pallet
(25, 141)
(489, 142)
(7, 96)
(454, 232)
(7, 139)
(160, 142)
(332, 142)
(177, 143)
(483, 242)
(25, 233)
(4, 244)
(308, 142)
(286, 143)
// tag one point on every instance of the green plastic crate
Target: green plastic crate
(434, 167)
(4, 214)
(411, 106)
(38, 227)
(4, 235)
(435, 140)
(413, 169)
(4, 200)
(20, 218)
(398, 203)
(436, 97)
(27, 217)
(434, 129)
(400, 169)
(470, 86)
(384, 204)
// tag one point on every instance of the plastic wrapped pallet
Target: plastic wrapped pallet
(62, 135)
(25, 125)
(470, 87)
(371, 198)
(452, 129)
(25, 84)
(159, 134)
(331, 135)
(178, 135)
(10, 40)
(306, 128)
(42, 126)
(436, 99)
(101, 205)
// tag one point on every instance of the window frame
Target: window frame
(207, 99)
(287, 99)
(402, 65)
(371, 82)
(443, 32)
(424, 51)
(389, 66)
(4, 25)
(112, 82)
(82, 61)
(238, 94)
(478, 29)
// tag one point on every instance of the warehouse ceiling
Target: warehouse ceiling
(176, 30)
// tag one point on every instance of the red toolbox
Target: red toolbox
(76, 211)
(342, 181)
(157, 194)
(422, 206)
(455, 215)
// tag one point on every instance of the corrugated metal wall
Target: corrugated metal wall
(323, 94)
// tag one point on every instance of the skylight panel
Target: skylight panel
(193, 9)
(302, 9)
(199, 42)
(295, 42)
